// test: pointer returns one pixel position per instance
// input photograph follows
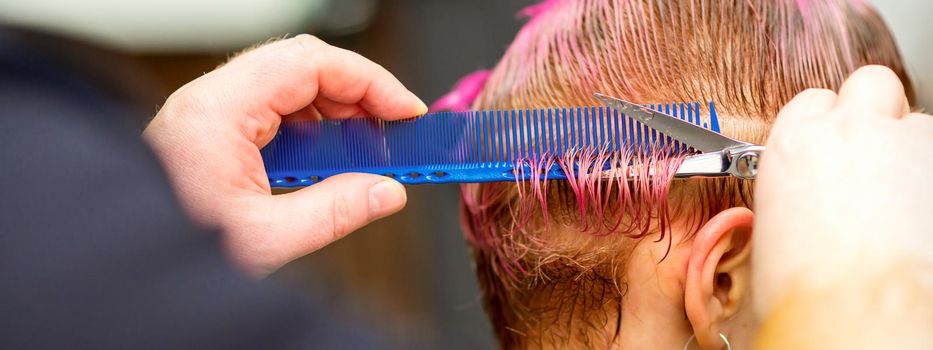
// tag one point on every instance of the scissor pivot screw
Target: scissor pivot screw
(746, 165)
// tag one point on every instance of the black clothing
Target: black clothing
(95, 252)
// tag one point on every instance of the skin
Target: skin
(209, 133)
(667, 301)
(852, 170)
(680, 297)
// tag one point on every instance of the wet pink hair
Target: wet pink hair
(748, 56)
(464, 93)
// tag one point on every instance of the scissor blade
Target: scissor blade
(693, 135)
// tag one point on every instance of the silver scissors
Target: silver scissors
(721, 156)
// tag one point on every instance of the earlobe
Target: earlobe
(717, 274)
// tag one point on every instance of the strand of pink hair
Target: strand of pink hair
(615, 192)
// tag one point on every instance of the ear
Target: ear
(718, 274)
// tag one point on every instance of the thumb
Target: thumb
(307, 220)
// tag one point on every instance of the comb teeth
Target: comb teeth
(476, 146)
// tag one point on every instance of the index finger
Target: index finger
(290, 74)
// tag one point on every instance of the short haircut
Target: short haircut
(550, 252)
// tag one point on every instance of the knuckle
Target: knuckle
(341, 219)
(876, 70)
(822, 93)
(816, 94)
(190, 99)
(302, 51)
(308, 42)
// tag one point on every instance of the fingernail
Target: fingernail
(423, 108)
(385, 198)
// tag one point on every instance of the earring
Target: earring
(723, 336)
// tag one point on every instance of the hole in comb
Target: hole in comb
(414, 175)
(439, 174)
(290, 180)
(315, 179)
(392, 175)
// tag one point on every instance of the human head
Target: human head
(567, 266)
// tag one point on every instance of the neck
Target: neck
(643, 311)
(653, 315)
(561, 315)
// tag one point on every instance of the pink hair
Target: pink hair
(749, 57)
(464, 93)
(533, 11)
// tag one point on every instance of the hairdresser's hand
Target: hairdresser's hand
(844, 186)
(210, 131)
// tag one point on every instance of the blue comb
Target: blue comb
(460, 147)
